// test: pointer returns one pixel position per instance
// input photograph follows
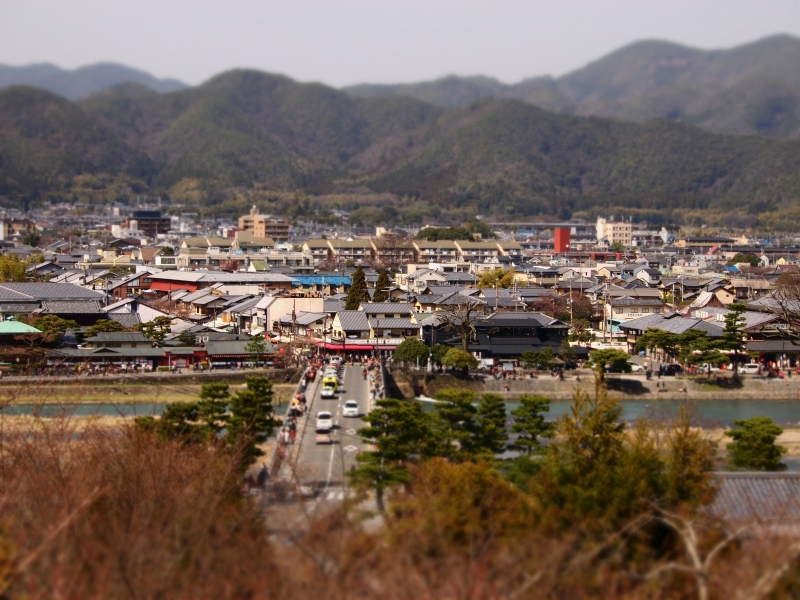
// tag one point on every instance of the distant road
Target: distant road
(323, 466)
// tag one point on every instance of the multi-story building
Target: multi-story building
(614, 231)
(265, 226)
(149, 222)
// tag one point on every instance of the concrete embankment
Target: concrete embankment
(626, 387)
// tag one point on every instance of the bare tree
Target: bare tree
(462, 315)
(690, 532)
(785, 301)
(393, 250)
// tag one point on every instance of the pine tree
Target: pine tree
(252, 420)
(396, 430)
(358, 291)
(491, 435)
(381, 293)
(530, 424)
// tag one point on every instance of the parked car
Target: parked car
(706, 368)
(324, 421)
(636, 368)
(672, 370)
(750, 369)
(351, 409)
(327, 392)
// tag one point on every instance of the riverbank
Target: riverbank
(82, 391)
(626, 387)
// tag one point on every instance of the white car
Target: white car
(636, 368)
(351, 409)
(751, 369)
(324, 421)
(327, 392)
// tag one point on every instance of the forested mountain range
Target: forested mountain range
(247, 136)
(84, 81)
(752, 89)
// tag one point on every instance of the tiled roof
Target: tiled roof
(393, 324)
(522, 319)
(21, 292)
(71, 306)
(353, 320)
(21, 307)
(771, 499)
(129, 320)
(330, 306)
(302, 318)
(372, 308)
(628, 301)
(673, 323)
(107, 336)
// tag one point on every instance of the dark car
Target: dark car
(672, 370)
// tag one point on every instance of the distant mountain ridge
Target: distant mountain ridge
(84, 81)
(753, 89)
(249, 134)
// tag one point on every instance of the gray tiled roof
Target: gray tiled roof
(21, 307)
(628, 301)
(71, 306)
(393, 324)
(673, 323)
(373, 308)
(512, 319)
(129, 320)
(303, 318)
(765, 498)
(22, 292)
(353, 320)
(108, 336)
(330, 306)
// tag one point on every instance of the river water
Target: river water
(706, 413)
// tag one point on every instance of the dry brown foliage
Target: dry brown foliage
(109, 512)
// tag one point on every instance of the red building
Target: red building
(562, 239)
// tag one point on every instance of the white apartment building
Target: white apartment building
(614, 231)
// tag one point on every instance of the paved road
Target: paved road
(323, 466)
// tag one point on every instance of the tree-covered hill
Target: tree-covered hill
(246, 130)
(750, 89)
(81, 82)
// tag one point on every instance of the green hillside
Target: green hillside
(46, 140)
(753, 89)
(246, 137)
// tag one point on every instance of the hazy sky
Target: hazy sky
(353, 41)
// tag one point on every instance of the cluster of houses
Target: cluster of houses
(263, 277)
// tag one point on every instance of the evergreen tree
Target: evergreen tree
(257, 347)
(753, 446)
(491, 435)
(396, 430)
(530, 425)
(381, 293)
(732, 338)
(358, 290)
(105, 326)
(411, 350)
(156, 329)
(212, 408)
(252, 419)
(454, 425)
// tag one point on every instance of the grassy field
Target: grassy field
(49, 393)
